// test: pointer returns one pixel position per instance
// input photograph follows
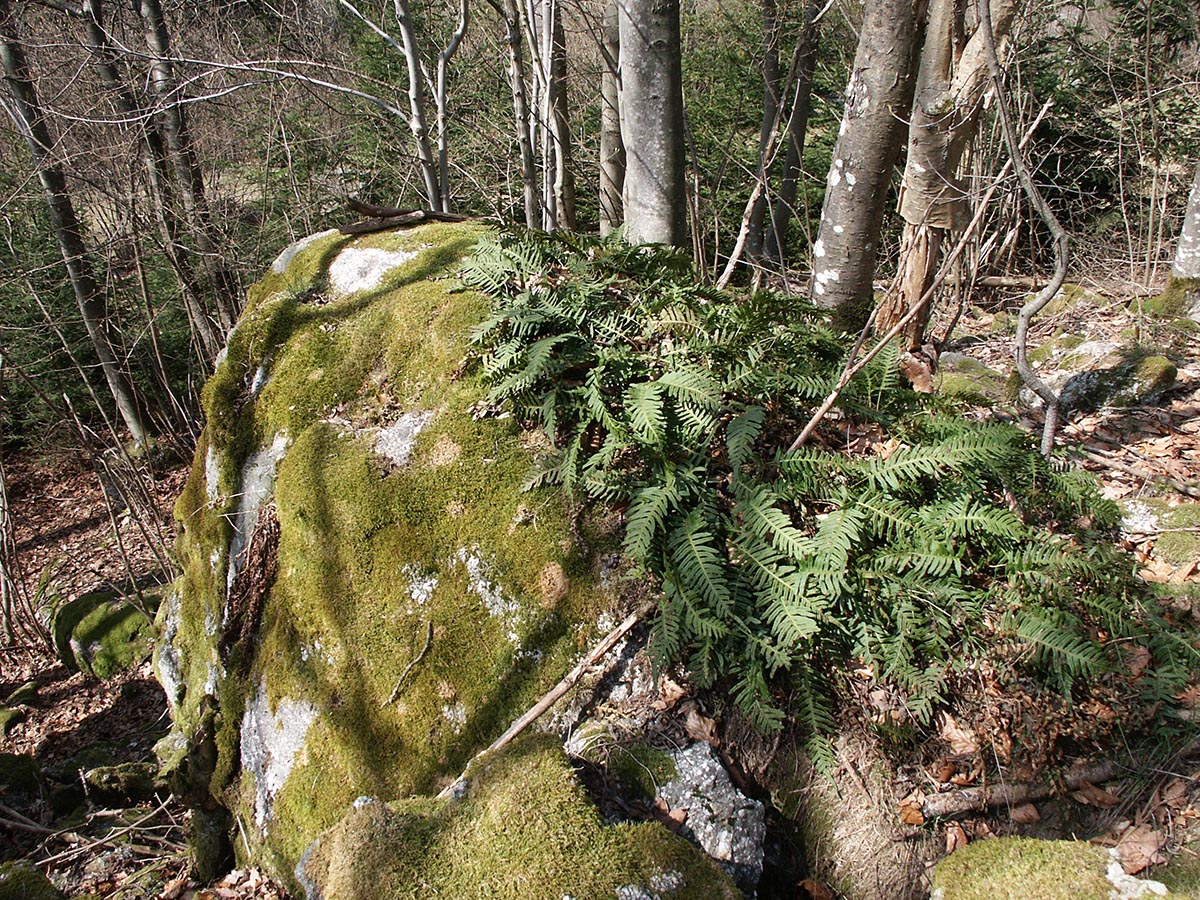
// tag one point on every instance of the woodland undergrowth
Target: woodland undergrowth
(952, 543)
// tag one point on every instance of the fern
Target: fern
(675, 400)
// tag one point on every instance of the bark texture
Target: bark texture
(1187, 253)
(93, 306)
(612, 148)
(878, 98)
(652, 122)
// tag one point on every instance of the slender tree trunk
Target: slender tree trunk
(416, 106)
(652, 122)
(442, 102)
(770, 118)
(181, 151)
(92, 304)
(612, 148)
(560, 125)
(878, 98)
(1187, 254)
(797, 130)
(158, 170)
(951, 82)
(516, 79)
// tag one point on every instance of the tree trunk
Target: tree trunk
(181, 151)
(770, 116)
(1187, 254)
(612, 148)
(652, 122)
(797, 130)
(951, 82)
(416, 106)
(442, 103)
(92, 305)
(878, 98)
(158, 170)
(560, 125)
(516, 79)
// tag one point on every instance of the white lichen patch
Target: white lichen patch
(363, 268)
(456, 715)
(421, 585)
(480, 583)
(212, 474)
(258, 478)
(284, 259)
(270, 744)
(1139, 518)
(169, 664)
(397, 441)
(1128, 887)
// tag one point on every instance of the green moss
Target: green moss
(20, 881)
(1182, 874)
(343, 624)
(19, 773)
(10, 719)
(641, 770)
(1021, 867)
(1178, 542)
(123, 785)
(968, 379)
(1177, 298)
(525, 829)
(25, 695)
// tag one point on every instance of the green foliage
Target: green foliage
(673, 400)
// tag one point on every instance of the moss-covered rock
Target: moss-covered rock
(10, 719)
(963, 377)
(25, 695)
(1180, 297)
(367, 598)
(1175, 526)
(1037, 870)
(524, 829)
(20, 774)
(124, 785)
(102, 634)
(19, 881)
(1119, 385)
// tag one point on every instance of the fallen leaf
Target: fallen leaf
(1138, 659)
(1139, 848)
(1002, 745)
(1157, 572)
(1026, 814)
(700, 727)
(910, 814)
(670, 693)
(1093, 796)
(1175, 794)
(1184, 572)
(945, 771)
(955, 837)
(961, 740)
(815, 890)
(173, 889)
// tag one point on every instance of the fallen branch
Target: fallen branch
(384, 217)
(413, 663)
(977, 799)
(556, 693)
(1186, 488)
(87, 846)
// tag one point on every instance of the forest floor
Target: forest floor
(1143, 454)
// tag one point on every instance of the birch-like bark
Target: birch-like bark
(878, 98)
(516, 79)
(612, 148)
(652, 122)
(442, 103)
(416, 106)
(93, 307)
(951, 82)
(1187, 253)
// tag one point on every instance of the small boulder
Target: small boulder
(102, 635)
(125, 785)
(20, 881)
(10, 719)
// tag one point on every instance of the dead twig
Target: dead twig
(86, 846)
(384, 217)
(556, 693)
(1186, 488)
(416, 661)
(976, 799)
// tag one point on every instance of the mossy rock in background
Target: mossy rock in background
(21, 881)
(103, 634)
(966, 378)
(10, 719)
(1120, 385)
(123, 785)
(1180, 298)
(523, 829)
(394, 599)
(1037, 870)
(20, 774)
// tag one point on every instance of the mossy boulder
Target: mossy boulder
(523, 829)
(1180, 298)
(1038, 870)
(10, 719)
(126, 784)
(966, 378)
(20, 774)
(368, 598)
(1122, 384)
(20, 881)
(103, 634)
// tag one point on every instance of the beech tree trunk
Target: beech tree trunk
(951, 81)
(1187, 254)
(525, 141)
(93, 306)
(878, 100)
(563, 171)
(652, 122)
(612, 148)
(416, 105)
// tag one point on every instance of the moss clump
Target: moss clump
(10, 719)
(19, 881)
(641, 770)
(1182, 874)
(524, 829)
(968, 379)
(1027, 868)
(25, 695)
(1119, 385)
(103, 635)
(1177, 299)
(19, 773)
(124, 785)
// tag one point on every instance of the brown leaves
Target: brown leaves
(698, 726)
(1091, 795)
(1025, 814)
(955, 837)
(961, 740)
(1140, 847)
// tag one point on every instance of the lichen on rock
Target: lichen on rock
(404, 622)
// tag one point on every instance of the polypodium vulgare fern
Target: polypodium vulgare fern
(674, 400)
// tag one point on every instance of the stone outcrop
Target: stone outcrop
(368, 599)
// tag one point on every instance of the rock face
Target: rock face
(368, 598)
